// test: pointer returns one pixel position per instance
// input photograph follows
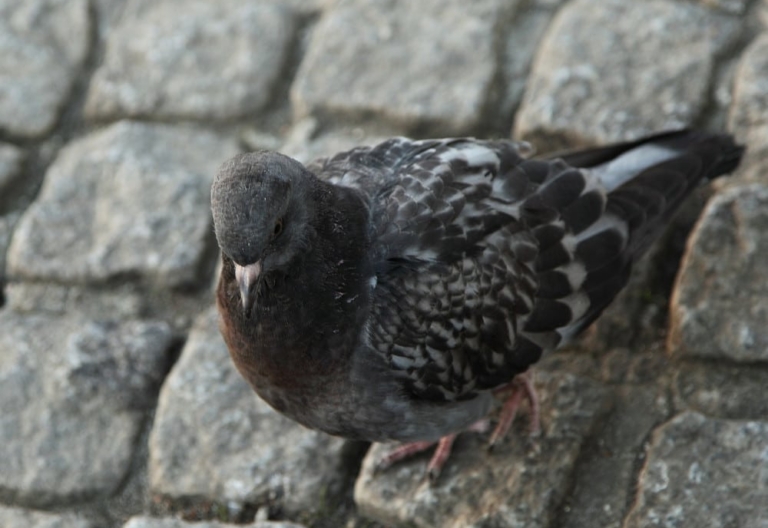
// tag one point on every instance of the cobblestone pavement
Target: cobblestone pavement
(120, 407)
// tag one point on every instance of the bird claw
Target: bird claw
(432, 476)
(401, 452)
(520, 387)
(439, 458)
(436, 463)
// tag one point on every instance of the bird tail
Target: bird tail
(647, 180)
(645, 183)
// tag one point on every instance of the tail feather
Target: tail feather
(659, 188)
(645, 182)
(592, 157)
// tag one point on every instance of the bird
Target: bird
(389, 292)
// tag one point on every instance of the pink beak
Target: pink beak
(246, 277)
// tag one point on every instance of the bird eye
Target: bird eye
(278, 227)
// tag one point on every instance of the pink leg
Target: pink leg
(402, 452)
(441, 455)
(439, 458)
(521, 386)
(436, 463)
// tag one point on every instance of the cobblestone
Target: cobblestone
(519, 484)
(131, 199)
(689, 461)
(75, 394)
(610, 70)
(718, 309)
(210, 60)
(43, 45)
(214, 438)
(10, 168)
(365, 55)
(120, 407)
(20, 518)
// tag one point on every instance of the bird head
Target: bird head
(260, 204)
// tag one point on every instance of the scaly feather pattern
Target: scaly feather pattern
(383, 292)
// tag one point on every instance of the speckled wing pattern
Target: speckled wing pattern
(485, 259)
(474, 279)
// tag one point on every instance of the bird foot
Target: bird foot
(520, 387)
(440, 456)
(409, 449)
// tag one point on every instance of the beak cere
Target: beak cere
(247, 277)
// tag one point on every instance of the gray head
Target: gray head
(261, 205)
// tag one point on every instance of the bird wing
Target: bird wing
(454, 250)
(373, 169)
(484, 259)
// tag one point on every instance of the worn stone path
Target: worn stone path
(119, 405)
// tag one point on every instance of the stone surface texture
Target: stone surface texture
(74, 393)
(737, 7)
(719, 308)
(727, 391)
(520, 483)
(43, 44)
(7, 224)
(127, 200)
(366, 55)
(748, 118)
(10, 166)
(209, 60)
(604, 475)
(704, 472)
(214, 438)
(119, 406)
(20, 518)
(610, 70)
(522, 40)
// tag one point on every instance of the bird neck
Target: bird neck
(309, 320)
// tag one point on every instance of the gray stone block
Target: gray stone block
(605, 476)
(704, 472)
(74, 393)
(210, 60)
(750, 105)
(129, 201)
(427, 64)
(21, 518)
(43, 44)
(214, 438)
(523, 37)
(610, 70)
(762, 13)
(521, 483)
(10, 165)
(748, 118)
(734, 7)
(733, 392)
(107, 15)
(718, 308)
(7, 223)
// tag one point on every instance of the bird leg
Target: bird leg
(402, 452)
(440, 456)
(521, 386)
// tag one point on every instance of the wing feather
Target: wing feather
(484, 259)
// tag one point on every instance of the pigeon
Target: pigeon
(388, 292)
